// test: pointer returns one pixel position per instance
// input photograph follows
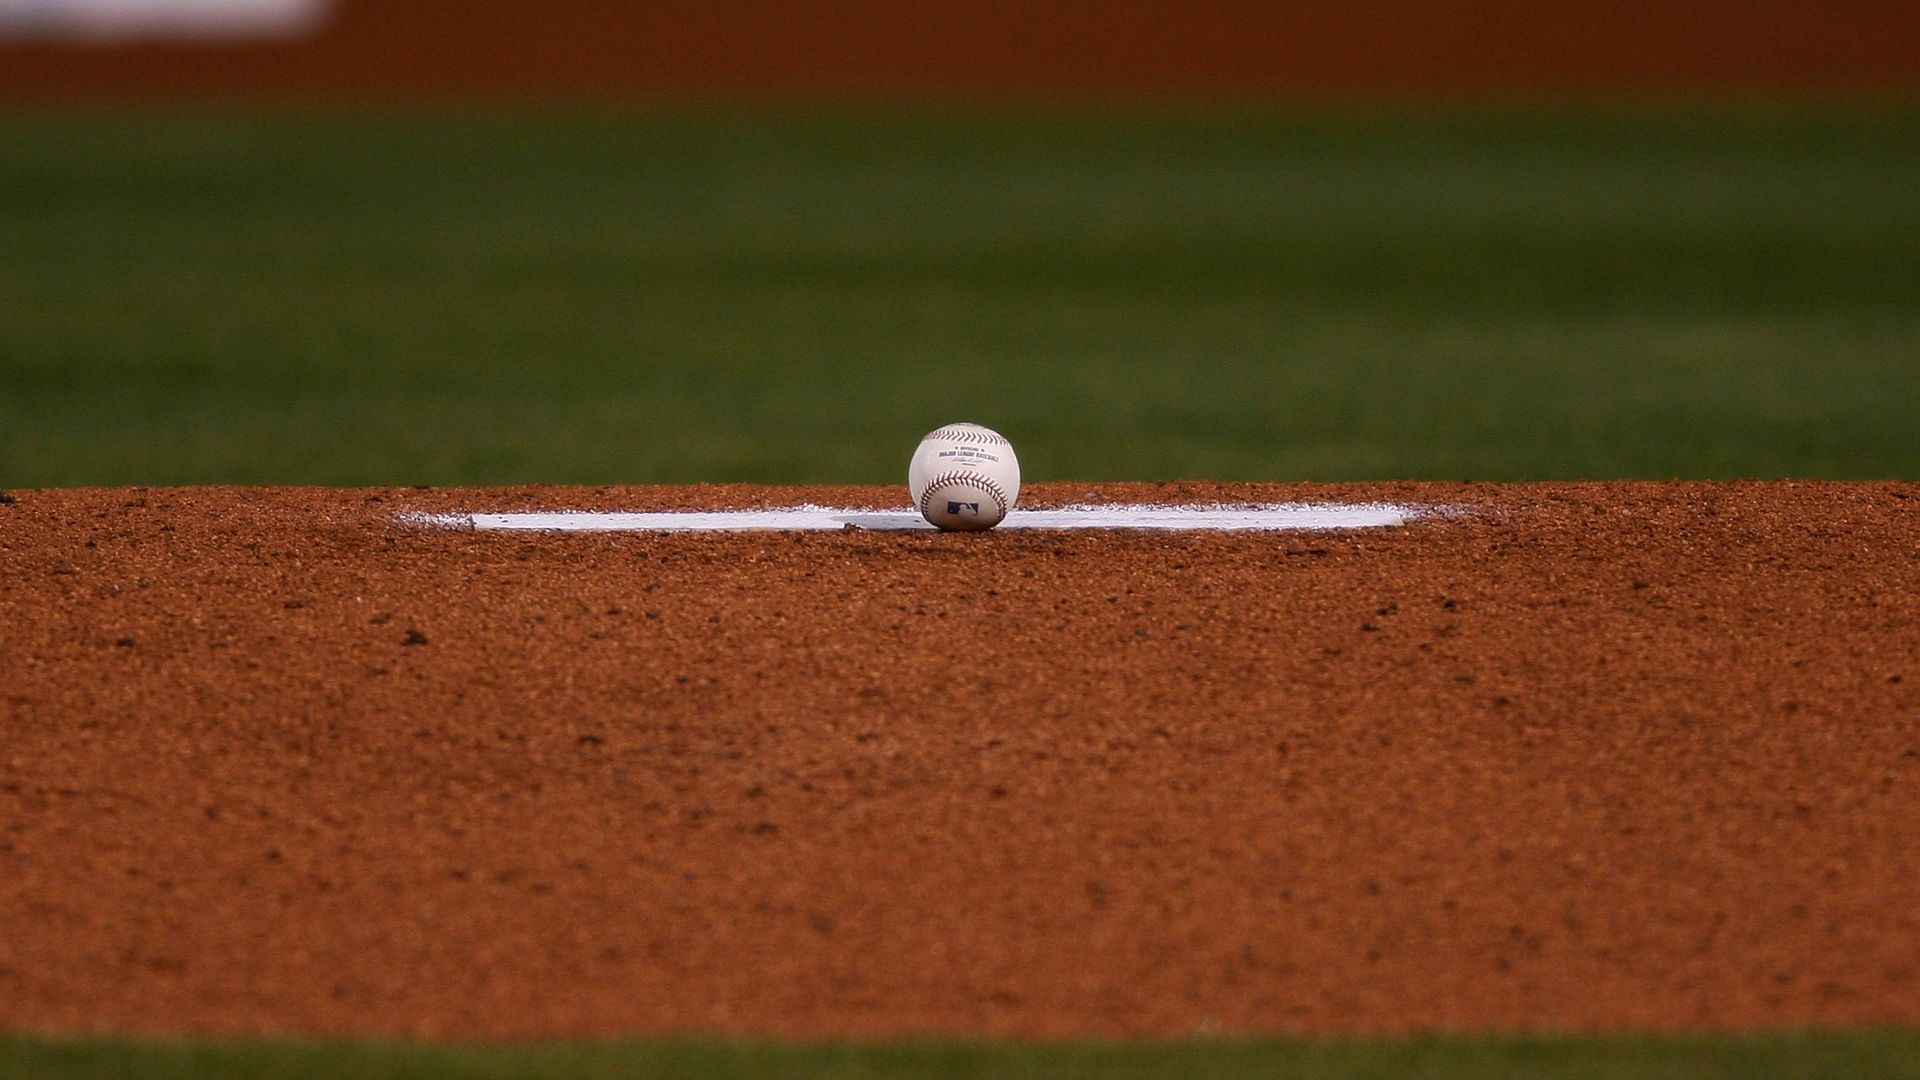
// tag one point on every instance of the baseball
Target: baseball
(964, 477)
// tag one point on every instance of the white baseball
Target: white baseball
(964, 476)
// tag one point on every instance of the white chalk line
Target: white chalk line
(1268, 517)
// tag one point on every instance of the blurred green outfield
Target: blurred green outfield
(493, 297)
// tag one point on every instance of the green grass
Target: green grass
(1852, 1056)
(592, 296)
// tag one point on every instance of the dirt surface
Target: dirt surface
(1511, 49)
(1585, 757)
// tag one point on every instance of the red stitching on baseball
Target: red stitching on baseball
(984, 483)
(968, 435)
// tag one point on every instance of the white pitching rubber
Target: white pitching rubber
(1268, 517)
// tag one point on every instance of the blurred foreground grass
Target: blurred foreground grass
(595, 296)
(1808, 1056)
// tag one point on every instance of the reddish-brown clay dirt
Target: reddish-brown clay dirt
(1584, 756)
(1510, 49)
